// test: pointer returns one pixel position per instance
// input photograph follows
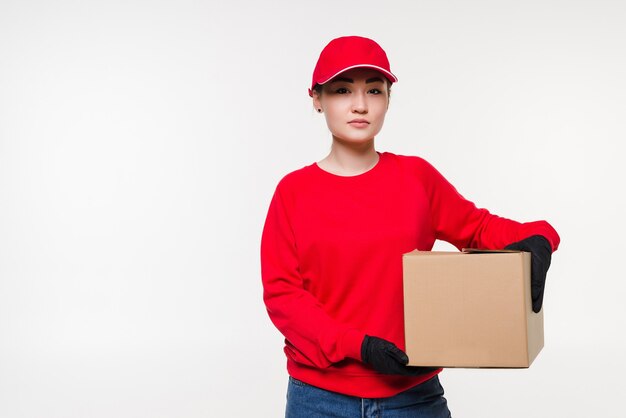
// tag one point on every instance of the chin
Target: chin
(355, 137)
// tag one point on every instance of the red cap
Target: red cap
(348, 52)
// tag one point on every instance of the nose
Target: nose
(359, 103)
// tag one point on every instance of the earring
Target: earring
(319, 110)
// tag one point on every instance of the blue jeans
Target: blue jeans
(422, 401)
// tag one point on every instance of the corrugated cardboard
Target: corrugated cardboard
(470, 309)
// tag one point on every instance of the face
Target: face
(355, 104)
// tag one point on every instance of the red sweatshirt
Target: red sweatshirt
(331, 261)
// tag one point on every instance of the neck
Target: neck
(350, 159)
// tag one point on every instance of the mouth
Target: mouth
(359, 123)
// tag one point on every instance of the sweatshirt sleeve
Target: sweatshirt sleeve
(312, 336)
(458, 221)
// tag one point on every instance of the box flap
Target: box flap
(482, 251)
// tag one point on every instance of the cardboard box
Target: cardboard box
(470, 309)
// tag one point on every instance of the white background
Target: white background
(141, 141)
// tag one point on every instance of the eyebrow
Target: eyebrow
(349, 80)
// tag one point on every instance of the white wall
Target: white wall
(140, 142)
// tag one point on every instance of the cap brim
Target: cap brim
(387, 74)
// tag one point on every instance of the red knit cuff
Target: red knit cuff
(351, 343)
(544, 229)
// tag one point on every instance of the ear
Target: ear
(317, 103)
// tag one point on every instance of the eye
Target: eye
(341, 90)
(375, 91)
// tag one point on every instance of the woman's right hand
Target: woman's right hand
(386, 358)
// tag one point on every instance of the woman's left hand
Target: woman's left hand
(541, 252)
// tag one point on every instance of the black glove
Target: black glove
(541, 252)
(386, 358)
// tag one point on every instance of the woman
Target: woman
(332, 245)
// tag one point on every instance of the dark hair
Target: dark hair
(317, 88)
